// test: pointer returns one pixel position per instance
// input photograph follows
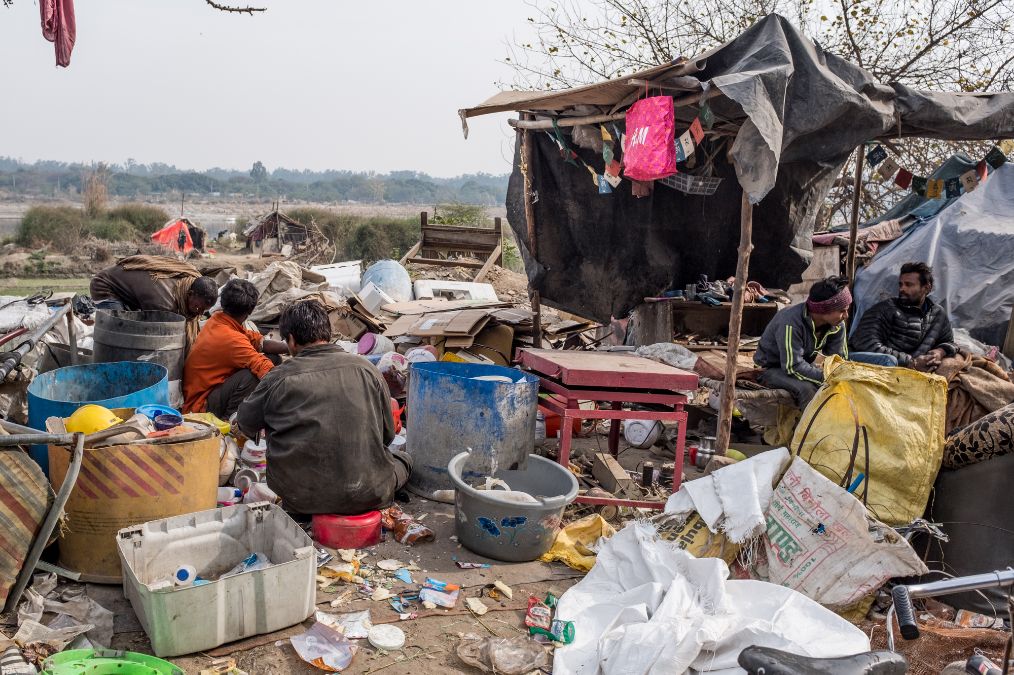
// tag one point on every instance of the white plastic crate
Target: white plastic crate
(184, 620)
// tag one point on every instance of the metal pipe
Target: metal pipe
(12, 361)
(974, 582)
(49, 524)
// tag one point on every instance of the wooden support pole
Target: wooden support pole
(533, 247)
(728, 398)
(857, 189)
(72, 334)
(528, 120)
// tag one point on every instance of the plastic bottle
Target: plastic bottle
(227, 496)
(184, 575)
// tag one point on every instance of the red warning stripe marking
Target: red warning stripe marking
(122, 466)
(151, 471)
(114, 478)
(17, 509)
(173, 471)
(92, 479)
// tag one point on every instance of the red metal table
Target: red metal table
(614, 378)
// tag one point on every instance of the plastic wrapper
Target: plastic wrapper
(506, 656)
(325, 648)
(354, 625)
(405, 529)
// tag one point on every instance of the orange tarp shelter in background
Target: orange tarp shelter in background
(175, 235)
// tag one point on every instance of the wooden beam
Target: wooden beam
(411, 252)
(857, 187)
(441, 262)
(533, 242)
(490, 261)
(532, 123)
(728, 398)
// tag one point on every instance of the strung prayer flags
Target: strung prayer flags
(684, 147)
(919, 185)
(969, 181)
(696, 130)
(888, 168)
(903, 179)
(995, 157)
(934, 188)
(1006, 146)
(876, 156)
(952, 187)
(706, 115)
(604, 187)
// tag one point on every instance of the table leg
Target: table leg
(566, 431)
(614, 432)
(681, 441)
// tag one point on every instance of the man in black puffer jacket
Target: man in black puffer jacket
(912, 327)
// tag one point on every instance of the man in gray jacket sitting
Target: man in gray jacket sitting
(799, 338)
(328, 420)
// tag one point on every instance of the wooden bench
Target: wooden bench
(441, 241)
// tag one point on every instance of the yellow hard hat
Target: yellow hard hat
(90, 418)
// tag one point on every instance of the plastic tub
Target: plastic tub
(491, 526)
(450, 410)
(60, 392)
(102, 661)
(335, 531)
(188, 619)
(374, 343)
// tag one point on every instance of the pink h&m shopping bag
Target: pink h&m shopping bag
(650, 152)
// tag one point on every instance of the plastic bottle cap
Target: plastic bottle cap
(387, 637)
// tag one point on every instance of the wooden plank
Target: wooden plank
(493, 257)
(857, 187)
(411, 252)
(446, 263)
(652, 323)
(607, 369)
(525, 138)
(466, 239)
(728, 397)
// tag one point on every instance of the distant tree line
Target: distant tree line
(138, 181)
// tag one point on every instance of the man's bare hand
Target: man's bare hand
(819, 360)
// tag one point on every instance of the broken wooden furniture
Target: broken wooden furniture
(615, 379)
(438, 242)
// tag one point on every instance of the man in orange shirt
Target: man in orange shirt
(227, 361)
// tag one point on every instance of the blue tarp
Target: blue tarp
(970, 245)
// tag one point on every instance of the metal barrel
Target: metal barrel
(150, 336)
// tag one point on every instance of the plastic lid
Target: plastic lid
(367, 343)
(386, 636)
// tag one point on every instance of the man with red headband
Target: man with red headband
(799, 338)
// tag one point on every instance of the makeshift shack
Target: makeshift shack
(764, 124)
(273, 232)
(181, 235)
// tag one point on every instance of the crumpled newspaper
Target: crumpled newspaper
(75, 614)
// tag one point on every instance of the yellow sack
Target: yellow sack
(572, 542)
(902, 412)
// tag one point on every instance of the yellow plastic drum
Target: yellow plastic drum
(127, 485)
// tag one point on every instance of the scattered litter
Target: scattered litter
(350, 554)
(354, 625)
(967, 619)
(405, 529)
(387, 637)
(575, 544)
(504, 588)
(323, 556)
(404, 575)
(76, 613)
(506, 656)
(343, 598)
(382, 594)
(408, 615)
(342, 571)
(223, 666)
(252, 563)
(428, 596)
(476, 606)
(324, 648)
(438, 585)
(539, 615)
(398, 605)
(471, 565)
(390, 565)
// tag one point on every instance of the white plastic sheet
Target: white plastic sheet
(649, 608)
(970, 245)
(735, 498)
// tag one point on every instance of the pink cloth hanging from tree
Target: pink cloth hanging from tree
(58, 27)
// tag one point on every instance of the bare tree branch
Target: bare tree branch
(237, 10)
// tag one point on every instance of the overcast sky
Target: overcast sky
(309, 84)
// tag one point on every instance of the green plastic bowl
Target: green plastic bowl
(106, 662)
